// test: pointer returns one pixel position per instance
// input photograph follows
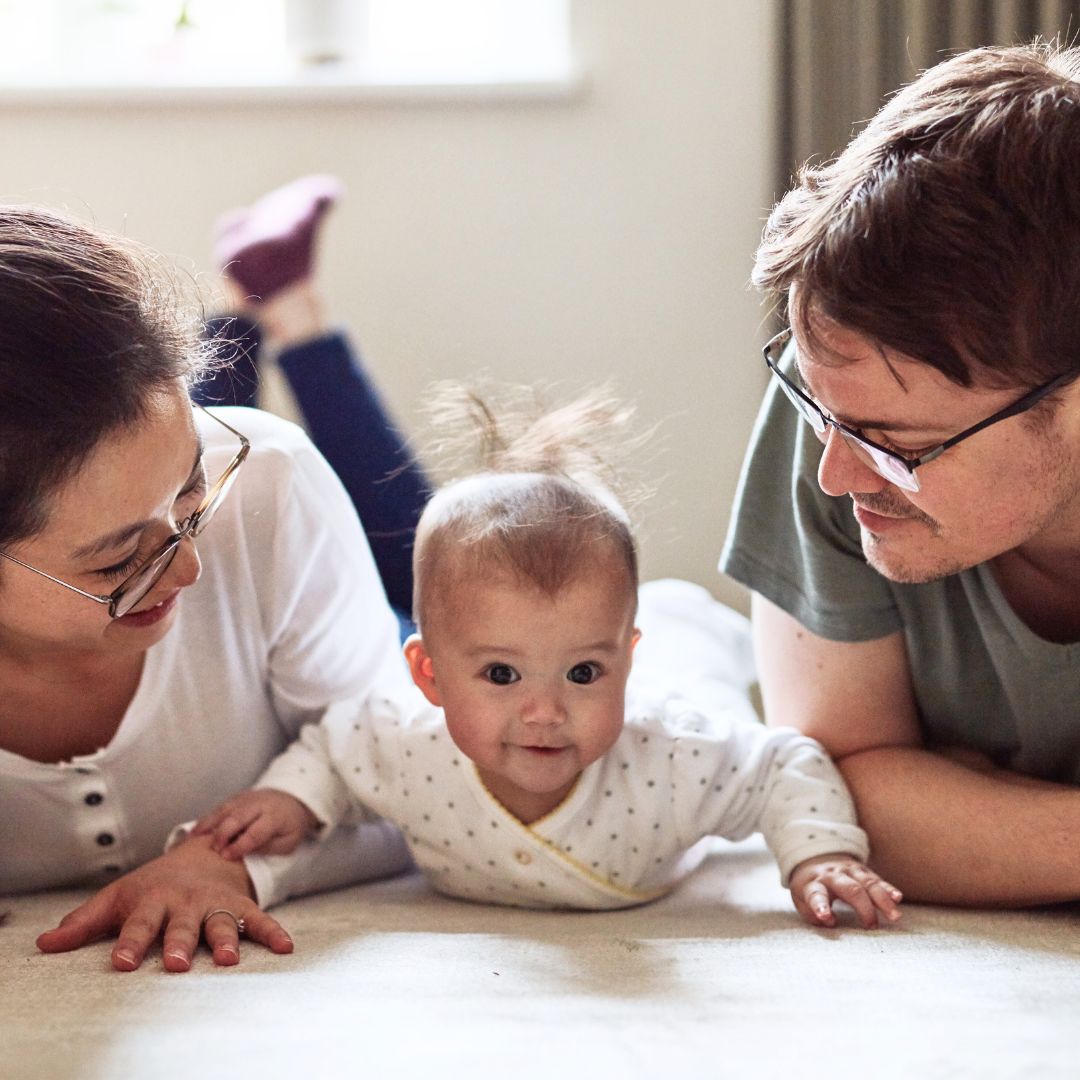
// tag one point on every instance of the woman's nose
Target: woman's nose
(186, 567)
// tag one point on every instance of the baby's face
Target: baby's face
(533, 686)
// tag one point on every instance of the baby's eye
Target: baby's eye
(501, 674)
(583, 674)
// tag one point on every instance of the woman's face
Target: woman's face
(104, 523)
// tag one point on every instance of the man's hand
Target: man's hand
(265, 821)
(172, 896)
(815, 883)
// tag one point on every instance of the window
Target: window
(238, 43)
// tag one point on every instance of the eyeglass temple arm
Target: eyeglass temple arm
(41, 573)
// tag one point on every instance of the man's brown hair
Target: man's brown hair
(949, 229)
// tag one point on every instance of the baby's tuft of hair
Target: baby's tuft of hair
(531, 499)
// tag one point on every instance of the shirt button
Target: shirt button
(106, 839)
(95, 798)
(523, 857)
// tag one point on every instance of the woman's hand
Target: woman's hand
(172, 895)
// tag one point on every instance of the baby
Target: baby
(523, 772)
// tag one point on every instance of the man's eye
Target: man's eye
(501, 674)
(904, 451)
(583, 674)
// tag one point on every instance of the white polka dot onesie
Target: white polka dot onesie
(628, 831)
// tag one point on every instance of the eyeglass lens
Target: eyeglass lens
(137, 586)
(883, 464)
(142, 581)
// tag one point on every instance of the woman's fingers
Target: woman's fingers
(86, 923)
(139, 932)
(266, 930)
(181, 940)
(175, 893)
(222, 934)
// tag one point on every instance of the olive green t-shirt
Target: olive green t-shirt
(982, 678)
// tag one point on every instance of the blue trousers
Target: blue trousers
(349, 424)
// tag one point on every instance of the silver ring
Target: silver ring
(241, 926)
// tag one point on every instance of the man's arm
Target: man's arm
(940, 831)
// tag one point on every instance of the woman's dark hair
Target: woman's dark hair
(949, 229)
(90, 327)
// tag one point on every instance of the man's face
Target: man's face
(1015, 484)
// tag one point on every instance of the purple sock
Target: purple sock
(270, 245)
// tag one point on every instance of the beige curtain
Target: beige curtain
(839, 59)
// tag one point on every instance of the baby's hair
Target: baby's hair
(530, 493)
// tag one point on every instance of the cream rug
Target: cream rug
(718, 980)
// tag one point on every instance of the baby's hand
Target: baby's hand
(815, 883)
(267, 821)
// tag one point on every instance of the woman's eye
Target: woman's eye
(120, 569)
(501, 674)
(195, 492)
(190, 498)
(583, 674)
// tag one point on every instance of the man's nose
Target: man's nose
(842, 471)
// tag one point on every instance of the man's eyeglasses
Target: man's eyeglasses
(137, 584)
(893, 466)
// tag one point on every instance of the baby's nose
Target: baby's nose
(546, 708)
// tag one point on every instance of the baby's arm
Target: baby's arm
(815, 883)
(808, 819)
(782, 784)
(263, 821)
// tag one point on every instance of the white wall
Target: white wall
(605, 237)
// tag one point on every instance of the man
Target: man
(911, 527)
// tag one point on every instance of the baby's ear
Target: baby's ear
(635, 639)
(421, 668)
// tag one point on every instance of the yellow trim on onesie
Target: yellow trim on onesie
(642, 896)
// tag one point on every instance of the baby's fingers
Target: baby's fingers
(886, 897)
(867, 894)
(255, 835)
(815, 904)
(209, 822)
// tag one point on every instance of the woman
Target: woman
(179, 591)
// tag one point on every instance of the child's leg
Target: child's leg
(349, 424)
(261, 250)
(267, 251)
